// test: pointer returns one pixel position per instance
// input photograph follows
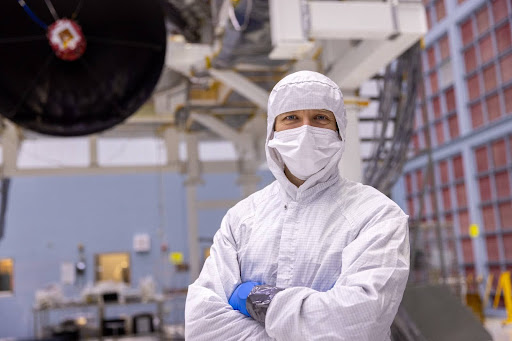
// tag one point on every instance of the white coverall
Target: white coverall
(339, 248)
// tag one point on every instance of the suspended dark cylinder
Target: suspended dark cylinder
(115, 75)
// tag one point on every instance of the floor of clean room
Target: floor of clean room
(497, 330)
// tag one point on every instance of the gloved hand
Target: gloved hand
(239, 297)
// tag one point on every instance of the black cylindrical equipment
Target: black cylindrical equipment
(115, 75)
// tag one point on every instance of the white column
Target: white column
(350, 165)
(193, 179)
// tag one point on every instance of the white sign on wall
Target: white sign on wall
(67, 273)
(141, 242)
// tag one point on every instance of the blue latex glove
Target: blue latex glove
(239, 296)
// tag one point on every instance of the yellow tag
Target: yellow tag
(176, 258)
(474, 231)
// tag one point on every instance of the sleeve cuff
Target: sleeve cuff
(259, 299)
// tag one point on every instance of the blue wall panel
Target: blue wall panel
(49, 216)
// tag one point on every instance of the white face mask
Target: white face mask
(306, 150)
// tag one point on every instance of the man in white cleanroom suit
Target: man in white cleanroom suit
(312, 256)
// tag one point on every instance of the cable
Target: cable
(77, 10)
(52, 9)
(398, 93)
(234, 20)
(32, 15)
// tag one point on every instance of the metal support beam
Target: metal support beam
(172, 144)
(193, 179)
(93, 150)
(11, 143)
(242, 85)
(218, 127)
(351, 20)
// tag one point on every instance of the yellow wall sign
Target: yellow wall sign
(176, 258)
(474, 230)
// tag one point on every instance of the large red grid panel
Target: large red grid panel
(434, 84)
(503, 37)
(436, 106)
(408, 183)
(428, 179)
(439, 133)
(507, 246)
(486, 49)
(410, 207)
(477, 115)
(453, 125)
(499, 153)
(416, 143)
(482, 161)
(506, 68)
(489, 218)
(423, 208)
(444, 47)
(432, 198)
(473, 87)
(482, 20)
(440, 10)
(493, 107)
(502, 184)
(507, 93)
(458, 167)
(466, 30)
(419, 180)
(484, 184)
(491, 242)
(449, 96)
(447, 202)
(470, 59)
(461, 195)
(467, 250)
(490, 81)
(426, 138)
(448, 219)
(429, 17)
(510, 149)
(464, 222)
(431, 57)
(418, 115)
(443, 172)
(505, 212)
(499, 10)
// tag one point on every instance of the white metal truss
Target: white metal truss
(372, 33)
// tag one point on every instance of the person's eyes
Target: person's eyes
(290, 117)
(322, 117)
